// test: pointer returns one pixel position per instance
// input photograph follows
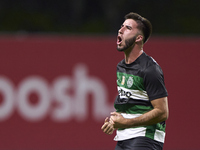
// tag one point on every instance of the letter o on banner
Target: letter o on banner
(7, 91)
(27, 110)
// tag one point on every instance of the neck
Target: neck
(132, 54)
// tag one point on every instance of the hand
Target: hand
(108, 126)
(118, 120)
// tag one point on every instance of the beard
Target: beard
(128, 43)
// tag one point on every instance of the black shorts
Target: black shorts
(139, 143)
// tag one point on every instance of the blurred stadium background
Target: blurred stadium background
(180, 17)
(57, 70)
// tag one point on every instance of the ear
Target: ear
(139, 38)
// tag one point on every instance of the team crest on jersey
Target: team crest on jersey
(123, 80)
(130, 82)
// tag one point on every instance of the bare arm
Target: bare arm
(158, 114)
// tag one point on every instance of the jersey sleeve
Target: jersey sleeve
(154, 82)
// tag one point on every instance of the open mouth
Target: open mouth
(119, 40)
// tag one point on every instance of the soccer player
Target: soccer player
(141, 106)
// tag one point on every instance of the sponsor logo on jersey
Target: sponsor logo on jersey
(124, 93)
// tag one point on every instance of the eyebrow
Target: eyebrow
(127, 26)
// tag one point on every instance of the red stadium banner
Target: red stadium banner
(55, 91)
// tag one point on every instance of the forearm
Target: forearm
(152, 117)
(158, 114)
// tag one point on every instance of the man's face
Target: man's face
(127, 35)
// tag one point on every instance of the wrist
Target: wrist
(128, 123)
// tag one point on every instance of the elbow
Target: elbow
(165, 115)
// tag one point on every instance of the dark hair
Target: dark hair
(143, 24)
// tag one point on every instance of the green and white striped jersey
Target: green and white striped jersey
(138, 84)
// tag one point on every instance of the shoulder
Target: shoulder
(151, 70)
(149, 65)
